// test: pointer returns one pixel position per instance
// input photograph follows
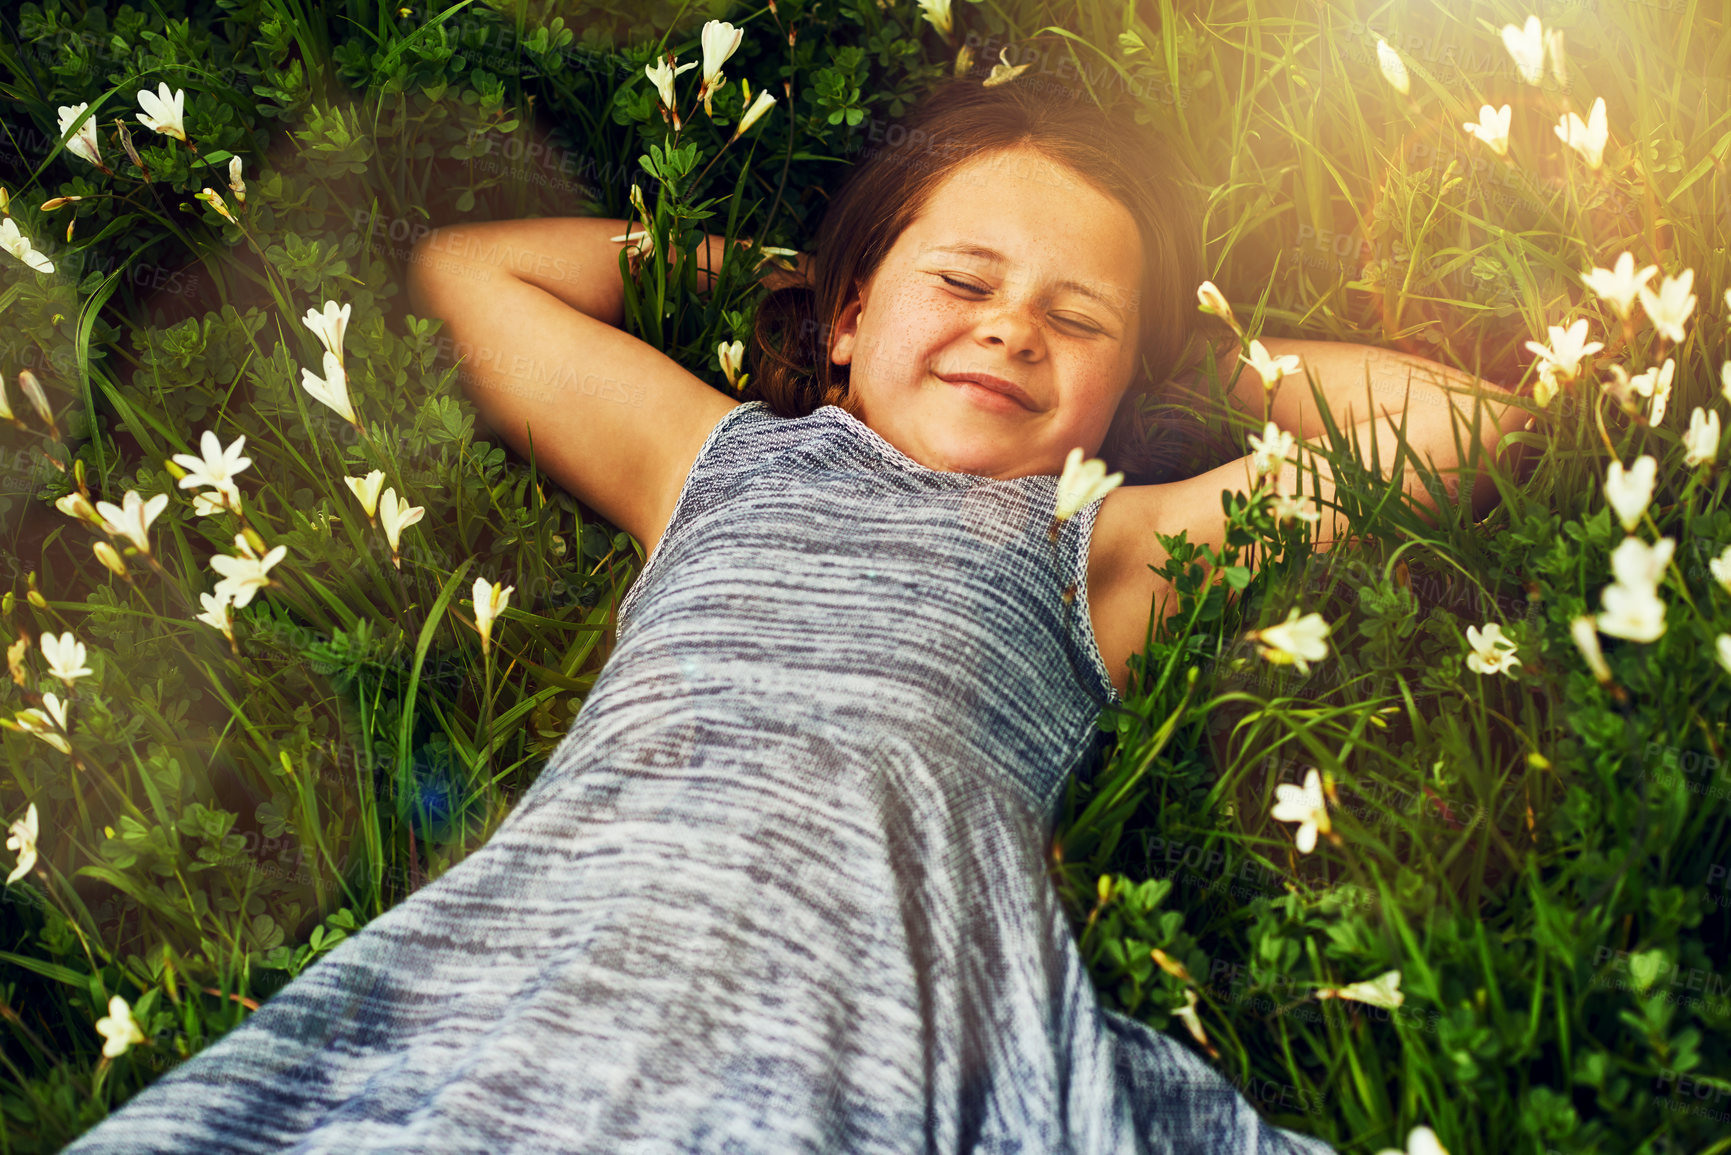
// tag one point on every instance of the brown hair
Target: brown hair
(889, 187)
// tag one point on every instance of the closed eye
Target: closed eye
(955, 284)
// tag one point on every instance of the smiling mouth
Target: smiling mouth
(992, 392)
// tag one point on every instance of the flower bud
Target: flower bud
(236, 185)
(254, 540)
(1585, 633)
(49, 206)
(126, 143)
(32, 390)
(106, 554)
(35, 598)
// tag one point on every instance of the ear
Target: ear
(846, 333)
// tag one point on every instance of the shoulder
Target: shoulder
(684, 444)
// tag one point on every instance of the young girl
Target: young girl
(783, 886)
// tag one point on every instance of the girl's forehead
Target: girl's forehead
(1039, 214)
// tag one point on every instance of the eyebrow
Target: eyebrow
(986, 252)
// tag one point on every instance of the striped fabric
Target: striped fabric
(782, 888)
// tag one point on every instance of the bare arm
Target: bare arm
(532, 308)
(1368, 390)
(1122, 586)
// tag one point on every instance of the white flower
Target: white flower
(1701, 442)
(83, 144)
(1492, 127)
(245, 575)
(1492, 653)
(19, 246)
(1618, 286)
(732, 358)
(366, 490)
(1722, 650)
(1567, 347)
(329, 327)
(216, 612)
(1271, 369)
(205, 504)
(1382, 991)
(1285, 506)
(641, 238)
(397, 516)
(65, 656)
(1587, 139)
(1296, 641)
(1527, 46)
(720, 41)
(490, 599)
(162, 112)
(1393, 69)
(1725, 381)
(662, 74)
(1003, 71)
(50, 726)
(1635, 563)
(1586, 637)
(1721, 568)
(1632, 612)
(76, 505)
(757, 109)
(1671, 305)
(1304, 805)
(236, 185)
(216, 467)
(132, 517)
(937, 12)
(1082, 482)
(332, 389)
(118, 1028)
(1629, 492)
(1656, 384)
(1270, 450)
(1421, 1141)
(22, 838)
(1211, 300)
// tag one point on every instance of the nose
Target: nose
(1014, 326)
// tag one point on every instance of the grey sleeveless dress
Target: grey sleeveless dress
(782, 887)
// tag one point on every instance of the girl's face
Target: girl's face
(1018, 270)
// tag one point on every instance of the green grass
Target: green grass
(1545, 859)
